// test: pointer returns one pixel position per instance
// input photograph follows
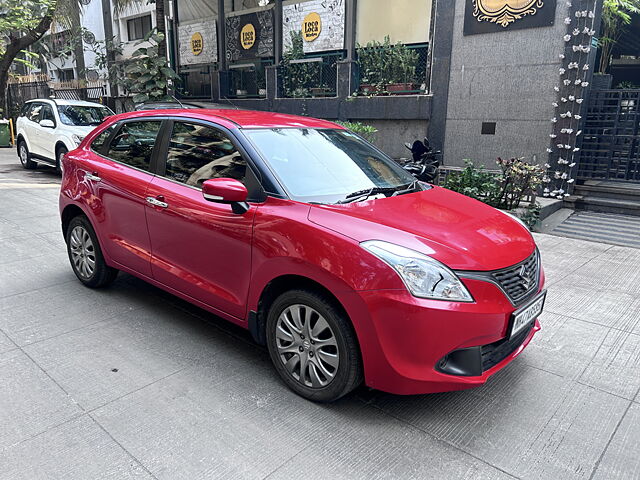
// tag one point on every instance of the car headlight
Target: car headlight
(77, 138)
(424, 276)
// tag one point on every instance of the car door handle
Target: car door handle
(157, 202)
(93, 177)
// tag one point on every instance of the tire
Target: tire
(25, 156)
(60, 151)
(318, 361)
(86, 256)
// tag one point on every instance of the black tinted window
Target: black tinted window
(47, 114)
(82, 115)
(25, 109)
(99, 141)
(133, 144)
(198, 153)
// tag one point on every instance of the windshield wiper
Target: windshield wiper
(366, 193)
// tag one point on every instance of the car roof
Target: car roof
(236, 118)
(62, 101)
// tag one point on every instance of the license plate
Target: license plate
(524, 316)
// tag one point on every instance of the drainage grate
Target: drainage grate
(610, 228)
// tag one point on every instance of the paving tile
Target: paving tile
(569, 246)
(30, 402)
(602, 274)
(144, 345)
(604, 306)
(616, 365)
(35, 273)
(530, 423)
(564, 346)
(44, 224)
(621, 255)
(207, 422)
(23, 247)
(5, 343)
(78, 449)
(621, 460)
(357, 450)
(557, 265)
(32, 317)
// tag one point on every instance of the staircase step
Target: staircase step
(608, 191)
(601, 204)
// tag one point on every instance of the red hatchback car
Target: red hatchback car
(332, 255)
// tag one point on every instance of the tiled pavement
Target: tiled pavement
(130, 382)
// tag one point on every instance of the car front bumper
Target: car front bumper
(417, 341)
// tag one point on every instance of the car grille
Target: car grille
(520, 280)
(494, 353)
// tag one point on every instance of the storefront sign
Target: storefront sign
(311, 27)
(249, 36)
(197, 42)
(485, 16)
(320, 22)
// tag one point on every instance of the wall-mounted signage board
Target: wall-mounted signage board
(489, 16)
(197, 42)
(321, 23)
(250, 36)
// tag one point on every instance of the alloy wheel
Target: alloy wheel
(24, 155)
(83, 253)
(307, 346)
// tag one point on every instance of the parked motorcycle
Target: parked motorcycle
(424, 161)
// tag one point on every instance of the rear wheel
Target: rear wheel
(60, 152)
(85, 255)
(25, 156)
(313, 346)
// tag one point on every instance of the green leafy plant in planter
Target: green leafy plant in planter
(386, 67)
(367, 132)
(298, 79)
(148, 74)
(505, 189)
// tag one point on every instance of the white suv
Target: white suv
(48, 128)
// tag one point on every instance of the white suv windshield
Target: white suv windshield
(81, 115)
(326, 166)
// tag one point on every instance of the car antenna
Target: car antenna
(176, 99)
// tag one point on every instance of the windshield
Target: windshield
(81, 115)
(326, 166)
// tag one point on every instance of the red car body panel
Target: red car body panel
(223, 261)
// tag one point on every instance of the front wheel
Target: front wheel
(25, 156)
(313, 346)
(86, 256)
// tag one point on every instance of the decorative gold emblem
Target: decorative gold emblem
(504, 12)
(247, 36)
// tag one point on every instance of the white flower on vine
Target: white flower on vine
(561, 56)
(567, 82)
(555, 104)
(567, 147)
(585, 84)
(577, 117)
(557, 89)
(564, 176)
(557, 175)
(576, 31)
(571, 165)
(571, 180)
(552, 135)
(592, 14)
(586, 66)
(576, 149)
(567, 21)
(571, 98)
(563, 100)
(554, 120)
(567, 37)
(579, 100)
(562, 71)
(549, 150)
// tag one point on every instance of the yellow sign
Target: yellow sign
(505, 12)
(247, 36)
(311, 27)
(196, 43)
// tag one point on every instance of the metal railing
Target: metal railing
(313, 76)
(247, 80)
(393, 74)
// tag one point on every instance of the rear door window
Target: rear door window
(133, 144)
(34, 113)
(47, 114)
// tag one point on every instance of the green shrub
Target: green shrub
(365, 131)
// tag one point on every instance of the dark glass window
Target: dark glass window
(198, 153)
(133, 144)
(47, 114)
(82, 115)
(138, 27)
(99, 141)
(25, 109)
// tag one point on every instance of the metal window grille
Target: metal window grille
(610, 148)
(313, 76)
(381, 74)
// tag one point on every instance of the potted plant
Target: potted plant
(402, 62)
(386, 67)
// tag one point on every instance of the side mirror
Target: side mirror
(226, 190)
(47, 123)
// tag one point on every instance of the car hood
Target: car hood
(460, 232)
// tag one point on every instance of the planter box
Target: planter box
(370, 89)
(401, 88)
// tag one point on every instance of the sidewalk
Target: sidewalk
(131, 382)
